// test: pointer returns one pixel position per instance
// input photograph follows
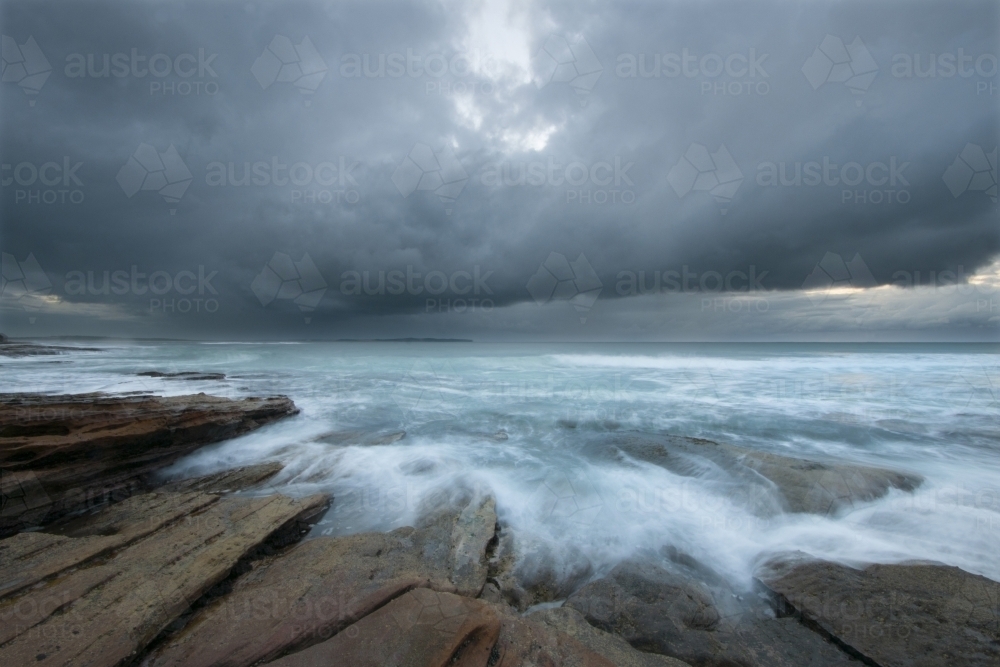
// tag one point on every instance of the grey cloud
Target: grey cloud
(564, 158)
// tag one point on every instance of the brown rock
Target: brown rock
(474, 529)
(23, 613)
(110, 615)
(74, 452)
(491, 593)
(803, 485)
(501, 572)
(524, 641)
(906, 615)
(455, 539)
(826, 488)
(234, 479)
(532, 578)
(325, 584)
(612, 647)
(303, 597)
(670, 609)
(27, 558)
(422, 628)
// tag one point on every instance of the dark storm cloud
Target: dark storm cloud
(593, 166)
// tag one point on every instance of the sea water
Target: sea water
(515, 421)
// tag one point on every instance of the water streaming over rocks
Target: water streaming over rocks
(390, 429)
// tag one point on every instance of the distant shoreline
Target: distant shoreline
(901, 346)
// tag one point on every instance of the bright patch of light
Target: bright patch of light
(497, 42)
(535, 139)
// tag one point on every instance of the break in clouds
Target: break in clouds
(501, 170)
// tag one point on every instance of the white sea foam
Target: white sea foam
(513, 421)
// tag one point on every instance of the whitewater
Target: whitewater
(389, 428)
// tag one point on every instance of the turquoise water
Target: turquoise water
(514, 421)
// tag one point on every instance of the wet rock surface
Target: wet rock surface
(611, 647)
(527, 579)
(66, 453)
(15, 348)
(211, 571)
(906, 615)
(361, 438)
(671, 609)
(527, 641)
(183, 375)
(765, 483)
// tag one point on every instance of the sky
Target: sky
(501, 170)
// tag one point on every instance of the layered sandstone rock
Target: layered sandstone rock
(906, 615)
(422, 628)
(326, 584)
(64, 454)
(97, 599)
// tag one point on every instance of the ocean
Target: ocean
(519, 421)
